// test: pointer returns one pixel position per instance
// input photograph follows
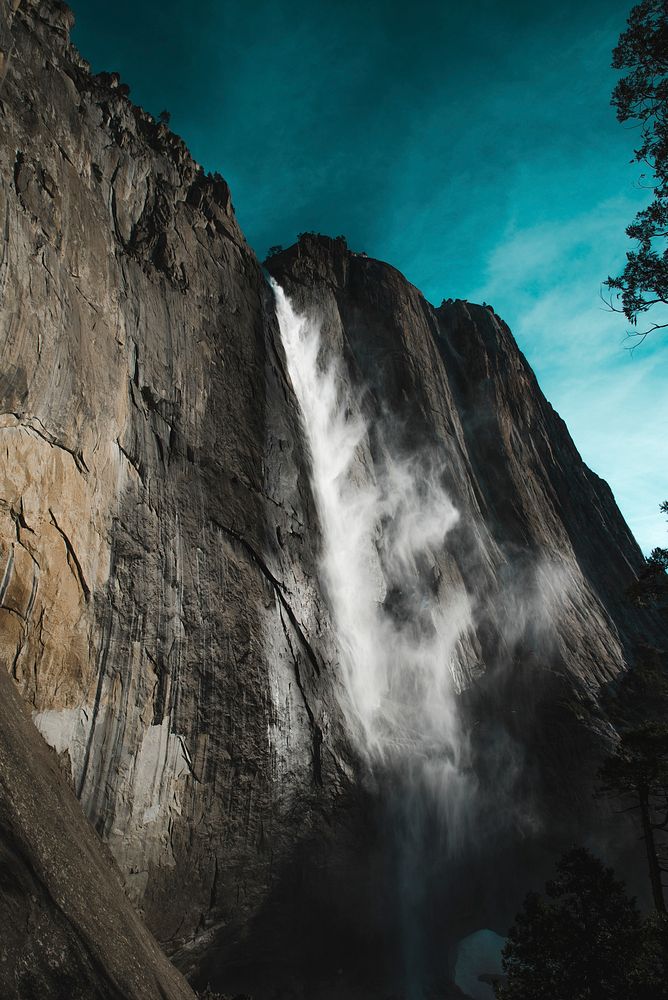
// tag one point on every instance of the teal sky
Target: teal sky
(471, 145)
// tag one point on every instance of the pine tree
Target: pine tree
(637, 773)
(583, 940)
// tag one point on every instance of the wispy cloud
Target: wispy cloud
(546, 281)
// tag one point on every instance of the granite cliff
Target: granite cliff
(161, 609)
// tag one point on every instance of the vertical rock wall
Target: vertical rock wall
(156, 528)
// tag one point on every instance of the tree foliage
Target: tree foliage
(651, 588)
(641, 98)
(637, 773)
(583, 940)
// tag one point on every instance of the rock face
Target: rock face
(160, 605)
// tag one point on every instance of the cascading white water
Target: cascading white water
(378, 528)
(383, 524)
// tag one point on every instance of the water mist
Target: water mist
(399, 634)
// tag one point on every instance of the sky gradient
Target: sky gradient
(472, 146)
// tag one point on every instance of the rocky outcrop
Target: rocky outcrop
(68, 930)
(160, 610)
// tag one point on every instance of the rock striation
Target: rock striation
(160, 606)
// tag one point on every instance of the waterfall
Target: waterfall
(384, 523)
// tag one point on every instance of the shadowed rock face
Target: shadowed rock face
(540, 548)
(160, 608)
